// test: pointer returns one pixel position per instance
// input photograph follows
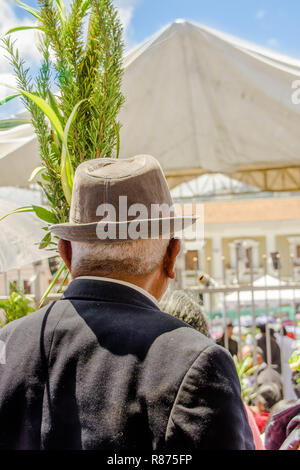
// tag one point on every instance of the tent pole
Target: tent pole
(225, 308)
(253, 309)
(280, 316)
(238, 297)
(293, 282)
(267, 314)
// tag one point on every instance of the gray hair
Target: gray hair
(183, 306)
(139, 257)
(250, 350)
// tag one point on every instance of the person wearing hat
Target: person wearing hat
(275, 349)
(232, 344)
(267, 395)
(104, 368)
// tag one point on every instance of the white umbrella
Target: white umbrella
(19, 236)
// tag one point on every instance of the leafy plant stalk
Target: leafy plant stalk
(74, 99)
(245, 369)
(17, 305)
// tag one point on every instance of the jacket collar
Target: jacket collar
(107, 291)
(128, 284)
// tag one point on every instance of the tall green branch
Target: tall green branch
(76, 96)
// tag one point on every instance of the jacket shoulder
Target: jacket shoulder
(22, 338)
(30, 322)
(208, 411)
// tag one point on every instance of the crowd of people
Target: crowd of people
(120, 362)
(275, 390)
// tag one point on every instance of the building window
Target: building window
(248, 258)
(192, 260)
(241, 252)
(294, 246)
(27, 287)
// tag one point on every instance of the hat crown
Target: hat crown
(110, 168)
(139, 179)
(125, 199)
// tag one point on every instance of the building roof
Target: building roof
(252, 210)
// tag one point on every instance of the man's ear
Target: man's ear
(65, 251)
(170, 257)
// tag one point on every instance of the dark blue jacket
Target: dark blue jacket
(104, 368)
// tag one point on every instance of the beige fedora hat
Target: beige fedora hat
(124, 199)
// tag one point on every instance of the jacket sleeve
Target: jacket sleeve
(296, 384)
(208, 412)
(21, 384)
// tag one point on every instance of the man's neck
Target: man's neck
(124, 283)
(145, 282)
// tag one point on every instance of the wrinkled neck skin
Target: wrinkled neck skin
(155, 283)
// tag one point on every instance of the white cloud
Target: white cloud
(261, 14)
(13, 106)
(24, 39)
(26, 42)
(9, 79)
(126, 9)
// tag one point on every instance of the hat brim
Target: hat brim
(124, 231)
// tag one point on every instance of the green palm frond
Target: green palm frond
(79, 120)
(245, 369)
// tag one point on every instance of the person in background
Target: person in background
(287, 347)
(283, 427)
(232, 344)
(279, 406)
(264, 374)
(267, 374)
(295, 368)
(296, 382)
(267, 396)
(181, 305)
(275, 349)
(258, 442)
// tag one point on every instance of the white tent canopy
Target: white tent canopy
(211, 185)
(19, 235)
(19, 155)
(273, 297)
(201, 101)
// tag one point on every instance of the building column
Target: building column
(255, 254)
(202, 259)
(270, 248)
(217, 258)
(232, 260)
(270, 243)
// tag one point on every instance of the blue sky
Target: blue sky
(271, 23)
(274, 24)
